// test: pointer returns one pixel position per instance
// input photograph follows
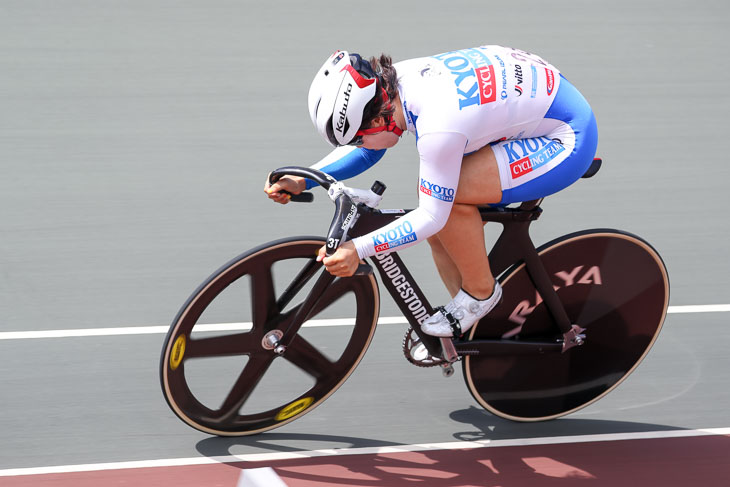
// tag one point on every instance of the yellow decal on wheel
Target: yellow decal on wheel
(294, 408)
(178, 351)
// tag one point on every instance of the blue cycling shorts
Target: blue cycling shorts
(558, 153)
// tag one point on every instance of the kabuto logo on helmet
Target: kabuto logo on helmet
(343, 111)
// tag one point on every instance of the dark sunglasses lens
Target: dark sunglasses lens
(361, 65)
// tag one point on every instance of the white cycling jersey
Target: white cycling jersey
(485, 94)
(456, 103)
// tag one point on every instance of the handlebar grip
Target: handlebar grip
(305, 197)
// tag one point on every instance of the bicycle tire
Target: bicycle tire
(613, 284)
(188, 341)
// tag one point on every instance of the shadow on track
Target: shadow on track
(489, 427)
(667, 462)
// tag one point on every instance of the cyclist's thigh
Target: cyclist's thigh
(559, 155)
(479, 179)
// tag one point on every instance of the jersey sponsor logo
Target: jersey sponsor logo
(526, 155)
(550, 81)
(401, 235)
(474, 76)
(527, 57)
(503, 93)
(412, 119)
(533, 93)
(430, 70)
(534, 59)
(487, 84)
(518, 79)
(438, 192)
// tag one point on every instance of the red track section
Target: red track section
(702, 461)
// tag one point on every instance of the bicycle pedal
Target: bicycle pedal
(447, 369)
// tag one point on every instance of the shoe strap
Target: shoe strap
(453, 322)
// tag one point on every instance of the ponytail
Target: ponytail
(388, 80)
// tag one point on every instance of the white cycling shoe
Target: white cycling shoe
(460, 314)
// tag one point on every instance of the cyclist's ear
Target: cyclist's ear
(376, 122)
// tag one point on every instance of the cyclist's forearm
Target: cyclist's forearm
(441, 155)
(405, 232)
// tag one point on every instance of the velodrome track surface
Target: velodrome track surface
(134, 139)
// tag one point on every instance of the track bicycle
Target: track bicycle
(578, 315)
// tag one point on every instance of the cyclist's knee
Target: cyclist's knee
(462, 209)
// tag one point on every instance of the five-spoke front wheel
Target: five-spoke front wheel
(220, 368)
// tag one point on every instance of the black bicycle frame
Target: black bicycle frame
(513, 247)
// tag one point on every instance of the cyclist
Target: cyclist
(493, 125)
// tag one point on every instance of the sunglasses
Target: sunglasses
(357, 141)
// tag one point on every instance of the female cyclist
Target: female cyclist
(493, 125)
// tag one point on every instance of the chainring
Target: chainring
(416, 352)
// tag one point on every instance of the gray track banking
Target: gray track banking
(134, 139)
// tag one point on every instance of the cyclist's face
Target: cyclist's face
(381, 140)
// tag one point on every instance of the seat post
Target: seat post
(544, 285)
(530, 205)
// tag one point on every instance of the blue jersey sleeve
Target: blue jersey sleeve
(347, 162)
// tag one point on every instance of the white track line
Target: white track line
(151, 330)
(700, 308)
(457, 445)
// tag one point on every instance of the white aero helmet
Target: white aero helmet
(337, 97)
